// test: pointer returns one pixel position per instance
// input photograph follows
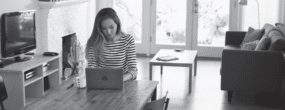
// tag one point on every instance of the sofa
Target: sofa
(253, 61)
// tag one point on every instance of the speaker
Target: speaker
(46, 83)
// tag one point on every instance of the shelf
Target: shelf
(30, 100)
(32, 80)
(49, 72)
(54, 4)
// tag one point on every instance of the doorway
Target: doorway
(170, 24)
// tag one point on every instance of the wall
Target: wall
(16, 5)
(267, 12)
(58, 20)
(103, 4)
(49, 28)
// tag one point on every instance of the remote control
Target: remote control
(50, 53)
(30, 53)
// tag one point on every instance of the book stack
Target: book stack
(167, 58)
(29, 74)
(45, 67)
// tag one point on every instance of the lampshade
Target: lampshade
(242, 2)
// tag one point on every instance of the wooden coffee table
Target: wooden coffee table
(187, 58)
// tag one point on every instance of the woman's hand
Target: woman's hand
(130, 75)
(127, 77)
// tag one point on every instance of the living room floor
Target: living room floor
(206, 92)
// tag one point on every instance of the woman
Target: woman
(109, 47)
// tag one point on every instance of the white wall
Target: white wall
(268, 12)
(103, 4)
(20, 5)
(58, 21)
(17, 5)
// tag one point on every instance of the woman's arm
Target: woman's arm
(131, 60)
(91, 60)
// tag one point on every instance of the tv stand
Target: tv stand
(22, 91)
(5, 62)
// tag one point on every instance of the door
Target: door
(170, 27)
(130, 13)
(212, 18)
(211, 21)
(170, 24)
(159, 24)
(258, 12)
(155, 26)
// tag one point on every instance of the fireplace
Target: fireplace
(58, 21)
(67, 41)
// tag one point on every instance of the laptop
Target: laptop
(104, 78)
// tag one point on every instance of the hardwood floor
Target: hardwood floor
(206, 93)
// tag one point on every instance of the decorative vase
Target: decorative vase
(74, 71)
(76, 58)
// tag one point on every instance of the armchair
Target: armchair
(250, 70)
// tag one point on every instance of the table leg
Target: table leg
(153, 97)
(150, 71)
(161, 69)
(190, 78)
(283, 101)
(195, 66)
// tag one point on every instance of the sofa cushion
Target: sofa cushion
(250, 45)
(263, 43)
(281, 27)
(277, 43)
(252, 35)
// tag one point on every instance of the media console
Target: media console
(5, 62)
(26, 81)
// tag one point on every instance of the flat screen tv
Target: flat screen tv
(18, 33)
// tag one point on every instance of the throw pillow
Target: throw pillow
(275, 32)
(250, 45)
(277, 43)
(263, 43)
(267, 28)
(252, 35)
(281, 27)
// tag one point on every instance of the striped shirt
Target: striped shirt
(118, 54)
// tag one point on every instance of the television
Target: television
(18, 34)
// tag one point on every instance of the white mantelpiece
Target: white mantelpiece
(49, 5)
(58, 19)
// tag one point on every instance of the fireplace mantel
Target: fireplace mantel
(49, 5)
(60, 18)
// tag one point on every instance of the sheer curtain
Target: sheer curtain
(269, 11)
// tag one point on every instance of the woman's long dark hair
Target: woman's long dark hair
(97, 37)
